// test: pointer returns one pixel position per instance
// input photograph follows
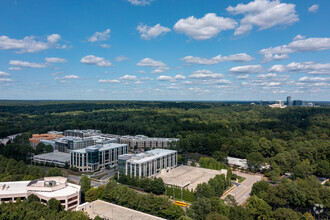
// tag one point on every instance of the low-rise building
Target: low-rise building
(140, 142)
(82, 133)
(57, 158)
(65, 144)
(46, 188)
(36, 138)
(96, 157)
(148, 163)
(240, 163)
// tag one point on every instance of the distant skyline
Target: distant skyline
(165, 50)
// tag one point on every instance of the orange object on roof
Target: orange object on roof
(37, 137)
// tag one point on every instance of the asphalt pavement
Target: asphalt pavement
(242, 192)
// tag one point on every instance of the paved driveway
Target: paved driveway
(242, 192)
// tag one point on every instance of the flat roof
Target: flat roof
(18, 187)
(100, 147)
(188, 176)
(112, 211)
(67, 191)
(56, 156)
(146, 156)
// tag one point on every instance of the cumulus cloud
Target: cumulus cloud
(121, 58)
(245, 76)
(164, 78)
(5, 80)
(27, 64)
(313, 8)
(63, 79)
(100, 36)
(298, 45)
(148, 32)
(179, 77)
(248, 69)
(205, 74)
(109, 81)
(159, 66)
(55, 60)
(140, 2)
(29, 44)
(14, 68)
(311, 68)
(240, 57)
(306, 79)
(94, 60)
(107, 46)
(4, 74)
(263, 14)
(204, 28)
(128, 77)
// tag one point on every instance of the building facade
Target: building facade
(46, 188)
(66, 144)
(141, 142)
(82, 133)
(36, 138)
(96, 157)
(148, 164)
(289, 101)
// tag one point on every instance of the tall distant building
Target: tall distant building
(289, 101)
(298, 103)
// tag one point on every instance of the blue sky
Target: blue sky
(164, 49)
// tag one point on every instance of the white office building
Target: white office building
(96, 157)
(148, 163)
(65, 144)
(46, 188)
(140, 142)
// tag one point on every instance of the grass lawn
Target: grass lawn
(240, 179)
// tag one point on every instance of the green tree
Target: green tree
(204, 190)
(220, 156)
(302, 170)
(261, 186)
(54, 172)
(33, 198)
(200, 209)
(258, 207)
(255, 160)
(174, 212)
(85, 184)
(286, 214)
(216, 216)
(54, 205)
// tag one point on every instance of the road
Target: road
(76, 179)
(242, 192)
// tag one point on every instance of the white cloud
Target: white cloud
(94, 60)
(53, 38)
(297, 45)
(204, 28)
(267, 76)
(55, 60)
(121, 58)
(14, 68)
(27, 64)
(4, 74)
(263, 14)
(164, 78)
(107, 46)
(205, 74)
(240, 57)
(70, 77)
(159, 66)
(100, 36)
(128, 77)
(29, 44)
(313, 8)
(148, 32)
(109, 81)
(179, 77)
(140, 2)
(245, 76)
(306, 67)
(5, 80)
(248, 69)
(150, 63)
(299, 37)
(306, 79)
(141, 71)
(270, 57)
(160, 69)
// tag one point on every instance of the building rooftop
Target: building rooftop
(143, 137)
(13, 187)
(146, 156)
(111, 211)
(56, 155)
(99, 147)
(188, 176)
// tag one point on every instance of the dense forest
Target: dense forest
(293, 141)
